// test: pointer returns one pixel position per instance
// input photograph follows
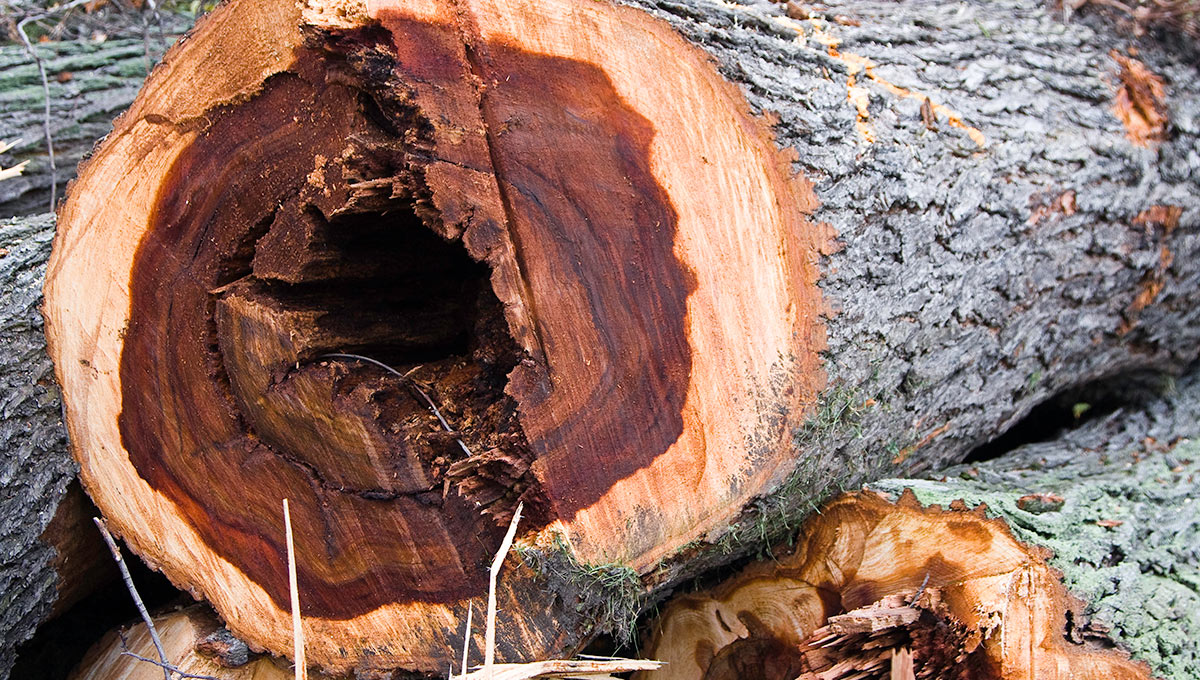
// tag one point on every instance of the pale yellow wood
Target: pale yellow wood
(861, 549)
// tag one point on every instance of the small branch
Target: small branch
(165, 666)
(137, 599)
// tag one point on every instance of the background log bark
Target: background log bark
(35, 468)
(1010, 243)
(90, 83)
(944, 240)
(1111, 500)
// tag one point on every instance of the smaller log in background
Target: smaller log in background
(1112, 498)
(1127, 537)
(91, 81)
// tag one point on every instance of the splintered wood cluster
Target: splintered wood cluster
(345, 234)
(881, 590)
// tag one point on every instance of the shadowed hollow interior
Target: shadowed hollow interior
(313, 278)
(286, 233)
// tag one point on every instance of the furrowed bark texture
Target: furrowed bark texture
(1127, 537)
(35, 467)
(935, 347)
(560, 221)
(90, 83)
(1111, 500)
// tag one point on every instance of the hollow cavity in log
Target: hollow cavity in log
(244, 285)
(364, 271)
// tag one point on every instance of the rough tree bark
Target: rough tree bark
(1111, 501)
(571, 233)
(35, 468)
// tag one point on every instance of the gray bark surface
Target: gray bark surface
(35, 466)
(1139, 467)
(90, 83)
(958, 309)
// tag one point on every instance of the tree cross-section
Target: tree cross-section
(519, 221)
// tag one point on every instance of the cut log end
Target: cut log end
(874, 589)
(408, 268)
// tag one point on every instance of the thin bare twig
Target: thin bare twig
(41, 66)
(297, 630)
(165, 666)
(137, 599)
(489, 635)
(410, 382)
(466, 640)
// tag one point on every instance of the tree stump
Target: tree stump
(408, 265)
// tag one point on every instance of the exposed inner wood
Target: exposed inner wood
(873, 586)
(318, 252)
(187, 638)
(421, 218)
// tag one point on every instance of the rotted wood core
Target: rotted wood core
(306, 318)
(882, 590)
(290, 232)
(408, 265)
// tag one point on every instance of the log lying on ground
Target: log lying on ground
(562, 228)
(90, 83)
(1109, 504)
(46, 563)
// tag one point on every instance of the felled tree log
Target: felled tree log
(46, 561)
(969, 596)
(563, 227)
